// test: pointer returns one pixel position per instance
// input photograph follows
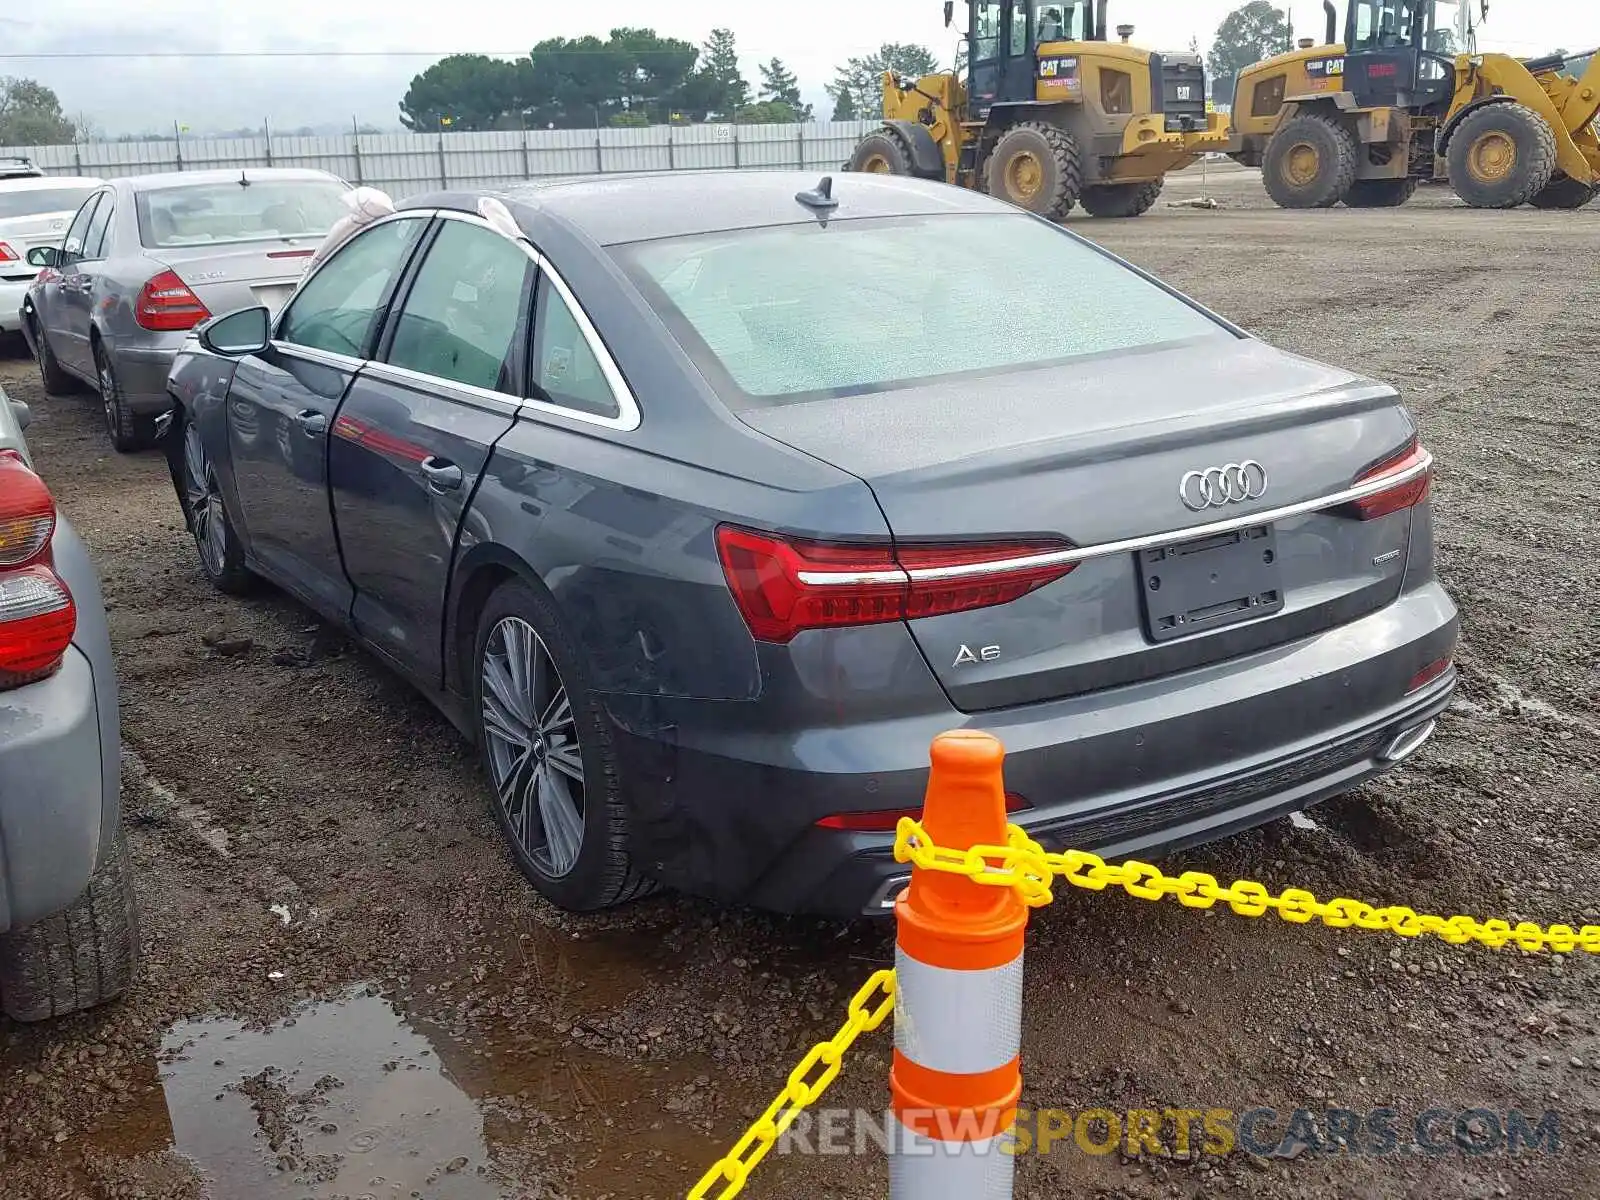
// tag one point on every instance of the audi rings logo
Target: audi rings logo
(1231, 484)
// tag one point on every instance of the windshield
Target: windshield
(207, 213)
(1394, 24)
(39, 202)
(798, 311)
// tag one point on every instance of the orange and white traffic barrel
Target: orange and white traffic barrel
(956, 1079)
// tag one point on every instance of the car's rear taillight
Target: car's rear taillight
(1412, 470)
(37, 615)
(7, 254)
(166, 304)
(785, 585)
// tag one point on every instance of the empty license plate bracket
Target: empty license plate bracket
(1210, 583)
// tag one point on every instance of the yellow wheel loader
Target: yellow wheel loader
(1047, 114)
(1402, 100)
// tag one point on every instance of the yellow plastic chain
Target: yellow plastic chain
(1025, 865)
(869, 1008)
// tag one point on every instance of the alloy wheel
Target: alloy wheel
(535, 760)
(205, 503)
(108, 391)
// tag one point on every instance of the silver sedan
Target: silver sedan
(149, 257)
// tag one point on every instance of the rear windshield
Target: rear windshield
(39, 202)
(206, 213)
(792, 312)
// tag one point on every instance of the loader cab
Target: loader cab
(1401, 53)
(1002, 41)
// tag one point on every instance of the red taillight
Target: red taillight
(1413, 468)
(27, 513)
(1427, 675)
(784, 586)
(37, 620)
(886, 820)
(166, 304)
(7, 254)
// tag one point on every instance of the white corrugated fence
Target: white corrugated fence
(404, 164)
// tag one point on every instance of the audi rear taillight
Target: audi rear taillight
(784, 586)
(166, 304)
(1412, 471)
(37, 615)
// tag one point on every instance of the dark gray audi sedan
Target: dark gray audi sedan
(703, 502)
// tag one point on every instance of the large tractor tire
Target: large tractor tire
(883, 152)
(1035, 166)
(1564, 192)
(1120, 199)
(1310, 162)
(1501, 156)
(1380, 193)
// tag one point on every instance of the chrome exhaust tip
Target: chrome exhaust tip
(1408, 742)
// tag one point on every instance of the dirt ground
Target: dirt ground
(348, 990)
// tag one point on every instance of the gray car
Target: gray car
(68, 927)
(147, 258)
(703, 503)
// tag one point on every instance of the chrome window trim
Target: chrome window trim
(405, 375)
(1154, 541)
(325, 358)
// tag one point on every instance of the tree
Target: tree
(772, 112)
(1247, 35)
(463, 92)
(779, 86)
(860, 79)
(30, 115)
(717, 86)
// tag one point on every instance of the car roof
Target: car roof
(168, 179)
(613, 209)
(33, 183)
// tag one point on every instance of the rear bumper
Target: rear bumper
(143, 371)
(1153, 766)
(12, 292)
(52, 792)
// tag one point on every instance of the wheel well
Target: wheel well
(1454, 122)
(488, 567)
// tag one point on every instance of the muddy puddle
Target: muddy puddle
(353, 1099)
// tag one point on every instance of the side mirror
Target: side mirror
(949, 12)
(43, 256)
(247, 331)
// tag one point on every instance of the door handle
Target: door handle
(312, 422)
(441, 474)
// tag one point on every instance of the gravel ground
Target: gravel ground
(349, 991)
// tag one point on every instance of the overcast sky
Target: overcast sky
(129, 94)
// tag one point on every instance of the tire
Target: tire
(1120, 199)
(1310, 162)
(1564, 192)
(1501, 156)
(55, 380)
(521, 621)
(127, 430)
(1035, 166)
(882, 153)
(79, 958)
(205, 511)
(1380, 193)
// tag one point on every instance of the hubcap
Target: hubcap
(1493, 157)
(205, 504)
(1024, 175)
(535, 761)
(1304, 164)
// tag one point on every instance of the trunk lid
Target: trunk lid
(24, 233)
(1094, 453)
(243, 275)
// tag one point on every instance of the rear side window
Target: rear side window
(799, 311)
(565, 368)
(40, 202)
(461, 319)
(204, 214)
(337, 308)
